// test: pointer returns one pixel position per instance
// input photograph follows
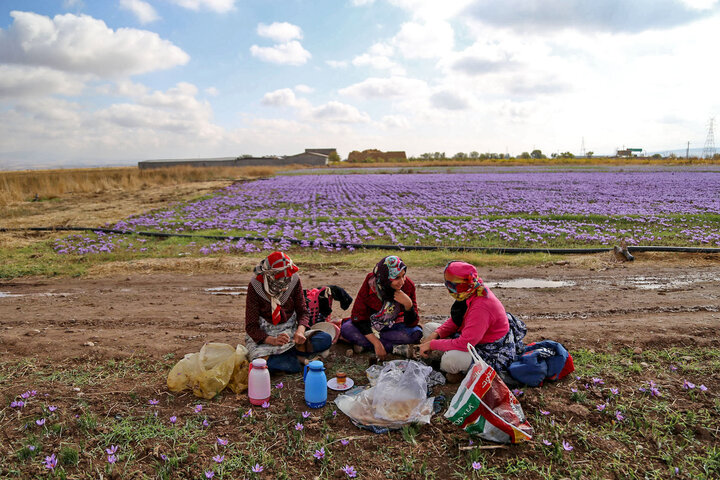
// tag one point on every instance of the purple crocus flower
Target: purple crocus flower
(600, 407)
(257, 468)
(209, 474)
(198, 408)
(547, 442)
(173, 419)
(25, 395)
(266, 405)
(688, 385)
(703, 388)
(222, 441)
(248, 413)
(112, 459)
(52, 408)
(279, 385)
(344, 441)
(350, 471)
(40, 422)
(619, 416)
(319, 454)
(163, 456)
(673, 368)
(517, 392)
(219, 458)
(31, 448)
(18, 404)
(476, 465)
(598, 381)
(205, 423)
(305, 414)
(299, 426)
(153, 401)
(544, 412)
(51, 462)
(566, 446)
(614, 391)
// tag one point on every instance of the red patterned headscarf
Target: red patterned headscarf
(275, 273)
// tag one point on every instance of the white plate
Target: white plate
(333, 385)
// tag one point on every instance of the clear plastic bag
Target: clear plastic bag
(209, 371)
(398, 398)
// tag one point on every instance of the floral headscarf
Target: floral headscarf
(386, 270)
(276, 275)
(471, 283)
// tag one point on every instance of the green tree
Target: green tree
(474, 155)
(333, 157)
(537, 154)
(525, 156)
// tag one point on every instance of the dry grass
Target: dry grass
(49, 184)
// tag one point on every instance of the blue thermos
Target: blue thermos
(315, 384)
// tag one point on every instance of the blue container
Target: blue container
(315, 384)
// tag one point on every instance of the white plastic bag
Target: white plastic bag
(401, 395)
(398, 398)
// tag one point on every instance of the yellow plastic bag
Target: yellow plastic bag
(208, 372)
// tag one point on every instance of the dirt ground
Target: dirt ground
(658, 300)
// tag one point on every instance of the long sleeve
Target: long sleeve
(300, 305)
(410, 317)
(361, 310)
(447, 328)
(252, 316)
(472, 331)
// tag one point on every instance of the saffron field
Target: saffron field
(524, 208)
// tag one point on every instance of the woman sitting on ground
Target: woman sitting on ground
(477, 317)
(386, 302)
(276, 317)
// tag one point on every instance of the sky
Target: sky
(98, 82)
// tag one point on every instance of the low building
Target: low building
(373, 155)
(317, 156)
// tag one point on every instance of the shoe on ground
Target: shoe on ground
(454, 377)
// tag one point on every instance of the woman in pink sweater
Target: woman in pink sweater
(477, 317)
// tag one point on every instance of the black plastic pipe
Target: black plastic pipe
(564, 251)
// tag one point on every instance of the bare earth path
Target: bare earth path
(656, 301)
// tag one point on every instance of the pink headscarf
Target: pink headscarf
(469, 274)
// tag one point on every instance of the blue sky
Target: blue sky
(86, 82)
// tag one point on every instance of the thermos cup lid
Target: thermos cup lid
(259, 363)
(316, 365)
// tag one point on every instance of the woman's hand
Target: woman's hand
(425, 349)
(281, 339)
(402, 298)
(299, 337)
(380, 352)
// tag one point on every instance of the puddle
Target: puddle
(227, 290)
(678, 282)
(517, 283)
(7, 294)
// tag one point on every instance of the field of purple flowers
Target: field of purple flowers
(512, 209)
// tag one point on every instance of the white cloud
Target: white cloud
(385, 87)
(449, 100)
(212, 91)
(291, 53)
(430, 39)
(24, 81)
(337, 63)
(395, 121)
(378, 57)
(283, 97)
(583, 15)
(360, 3)
(144, 12)
(123, 88)
(304, 88)
(82, 44)
(219, 6)
(339, 112)
(281, 32)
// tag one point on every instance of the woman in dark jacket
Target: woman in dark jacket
(385, 303)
